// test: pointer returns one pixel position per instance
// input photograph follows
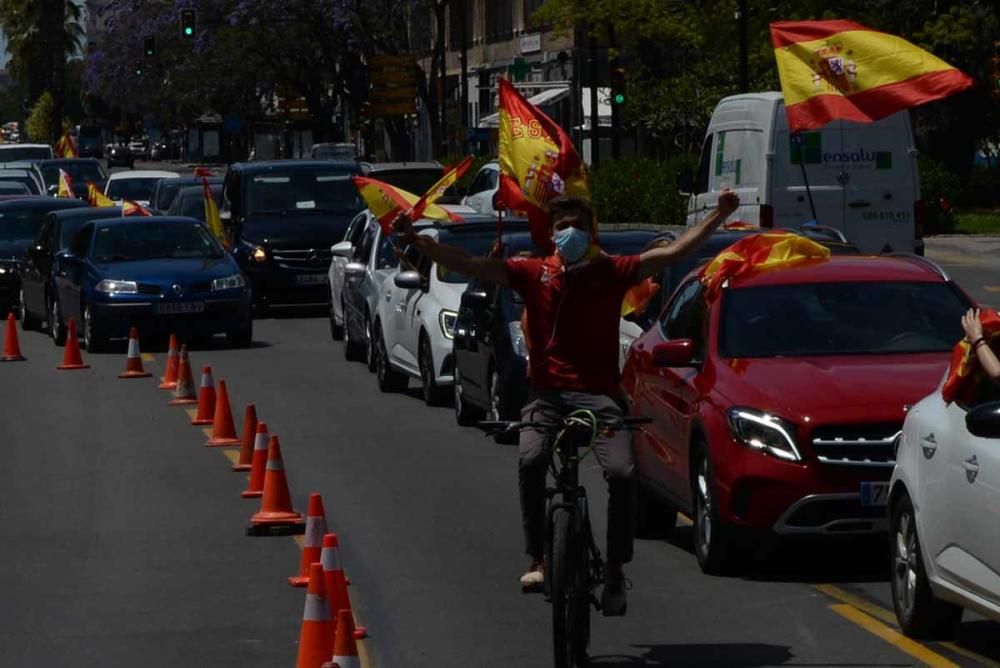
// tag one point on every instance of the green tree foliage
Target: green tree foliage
(639, 191)
(40, 125)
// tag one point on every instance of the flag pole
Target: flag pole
(797, 138)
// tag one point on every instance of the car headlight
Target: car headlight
(448, 319)
(760, 431)
(255, 252)
(111, 287)
(517, 340)
(229, 282)
(6, 269)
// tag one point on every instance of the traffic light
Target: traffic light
(617, 86)
(187, 23)
(149, 46)
(138, 68)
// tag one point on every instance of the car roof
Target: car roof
(848, 269)
(124, 220)
(43, 203)
(90, 212)
(65, 161)
(10, 171)
(262, 166)
(375, 167)
(143, 174)
(197, 190)
(19, 145)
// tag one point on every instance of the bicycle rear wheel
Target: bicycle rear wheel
(567, 587)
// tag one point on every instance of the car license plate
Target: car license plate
(181, 307)
(874, 493)
(310, 279)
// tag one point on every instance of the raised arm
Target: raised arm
(486, 268)
(654, 261)
(974, 333)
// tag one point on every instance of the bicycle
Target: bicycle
(575, 567)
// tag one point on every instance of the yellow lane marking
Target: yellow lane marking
(894, 638)
(684, 520)
(192, 412)
(232, 455)
(300, 541)
(146, 357)
(991, 288)
(207, 431)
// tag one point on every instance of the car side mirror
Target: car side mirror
(226, 217)
(685, 183)
(354, 269)
(984, 420)
(474, 299)
(408, 280)
(676, 353)
(342, 249)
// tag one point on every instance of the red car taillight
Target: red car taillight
(919, 211)
(766, 216)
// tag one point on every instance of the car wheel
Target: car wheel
(336, 331)
(466, 415)
(713, 540)
(352, 351)
(28, 321)
(498, 409)
(369, 344)
(654, 518)
(57, 329)
(93, 340)
(919, 613)
(389, 380)
(425, 359)
(242, 337)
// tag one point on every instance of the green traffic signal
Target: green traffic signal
(619, 98)
(188, 22)
(188, 31)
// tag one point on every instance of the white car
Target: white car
(415, 321)
(483, 188)
(944, 513)
(342, 254)
(136, 185)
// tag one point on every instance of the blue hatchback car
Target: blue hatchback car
(163, 275)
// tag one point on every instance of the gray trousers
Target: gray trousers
(614, 453)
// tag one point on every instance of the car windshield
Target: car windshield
(21, 225)
(80, 172)
(68, 228)
(13, 188)
(192, 204)
(166, 190)
(416, 181)
(478, 244)
(302, 191)
(334, 152)
(850, 318)
(23, 179)
(149, 240)
(135, 189)
(15, 153)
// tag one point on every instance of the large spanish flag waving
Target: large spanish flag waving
(386, 202)
(841, 70)
(965, 372)
(537, 162)
(759, 252)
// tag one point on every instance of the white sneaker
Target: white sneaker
(534, 579)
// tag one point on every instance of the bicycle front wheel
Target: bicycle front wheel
(567, 587)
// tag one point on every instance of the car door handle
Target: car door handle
(400, 308)
(929, 445)
(971, 468)
(388, 296)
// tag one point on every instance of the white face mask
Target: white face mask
(572, 243)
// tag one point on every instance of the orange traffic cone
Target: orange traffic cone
(169, 379)
(206, 398)
(72, 358)
(133, 361)
(223, 429)
(276, 516)
(312, 546)
(184, 390)
(316, 635)
(336, 580)
(11, 345)
(255, 485)
(246, 442)
(345, 649)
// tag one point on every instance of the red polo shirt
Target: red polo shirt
(573, 319)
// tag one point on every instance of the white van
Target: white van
(863, 176)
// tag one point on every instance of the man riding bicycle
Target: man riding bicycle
(573, 303)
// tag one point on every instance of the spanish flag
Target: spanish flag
(212, 217)
(841, 70)
(65, 185)
(65, 148)
(638, 297)
(386, 202)
(759, 252)
(435, 192)
(96, 198)
(130, 208)
(537, 162)
(965, 373)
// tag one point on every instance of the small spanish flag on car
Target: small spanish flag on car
(965, 372)
(759, 252)
(841, 70)
(65, 185)
(130, 208)
(96, 198)
(65, 148)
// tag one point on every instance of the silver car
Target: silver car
(343, 252)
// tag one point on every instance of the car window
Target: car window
(44, 238)
(387, 258)
(701, 178)
(363, 250)
(134, 189)
(478, 245)
(68, 228)
(686, 318)
(300, 190)
(81, 242)
(23, 225)
(149, 240)
(486, 179)
(80, 172)
(356, 228)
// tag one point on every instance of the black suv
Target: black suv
(282, 217)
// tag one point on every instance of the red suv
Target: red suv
(776, 405)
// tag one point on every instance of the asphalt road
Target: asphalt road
(125, 540)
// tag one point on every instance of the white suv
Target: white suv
(944, 513)
(415, 320)
(484, 186)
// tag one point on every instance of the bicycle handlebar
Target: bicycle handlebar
(504, 426)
